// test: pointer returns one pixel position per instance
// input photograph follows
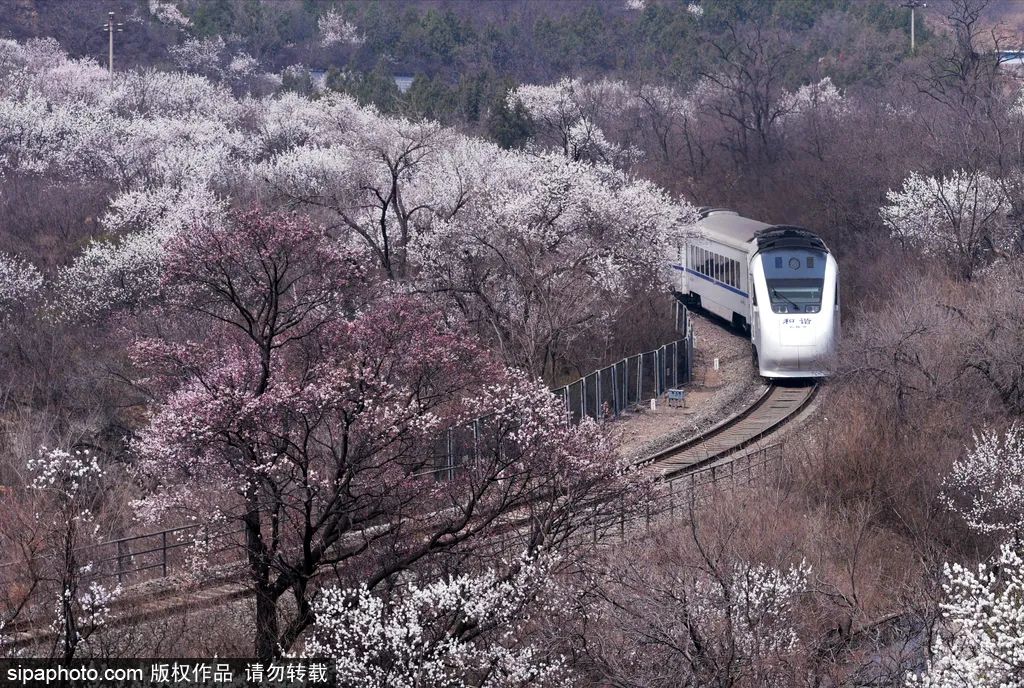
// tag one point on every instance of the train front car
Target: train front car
(795, 304)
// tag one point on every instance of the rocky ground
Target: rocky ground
(712, 395)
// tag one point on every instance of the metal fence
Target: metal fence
(607, 392)
(601, 395)
(674, 498)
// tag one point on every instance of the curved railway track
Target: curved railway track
(776, 406)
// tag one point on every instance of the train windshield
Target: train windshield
(795, 278)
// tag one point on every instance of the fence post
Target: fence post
(163, 550)
(639, 379)
(583, 398)
(657, 372)
(615, 388)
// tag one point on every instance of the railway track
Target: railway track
(776, 406)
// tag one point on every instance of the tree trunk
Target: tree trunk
(266, 625)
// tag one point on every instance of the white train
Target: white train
(780, 284)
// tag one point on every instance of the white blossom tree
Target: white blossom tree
(982, 641)
(20, 287)
(335, 29)
(566, 116)
(542, 257)
(720, 623)
(961, 217)
(822, 96)
(986, 485)
(69, 483)
(461, 630)
(168, 13)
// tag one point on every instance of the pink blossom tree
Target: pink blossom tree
(303, 398)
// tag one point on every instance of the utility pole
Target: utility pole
(913, 5)
(111, 27)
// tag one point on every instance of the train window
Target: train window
(794, 286)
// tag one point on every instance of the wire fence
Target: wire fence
(673, 498)
(166, 553)
(601, 395)
(604, 394)
(608, 392)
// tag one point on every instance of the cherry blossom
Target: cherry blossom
(986, 485)
(981, 642)
(720, 623)
(202, 55)
(565, 114)
(542, 256)
(20, 285)
(125, 272)
(961, 217)
(305, 398)
(168, 13)
(69, 483)
(334, 28)
(438, 634)
(820, 97)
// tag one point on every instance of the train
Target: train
(778, 284)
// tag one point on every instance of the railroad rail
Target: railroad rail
(702, 461)
(777, 405)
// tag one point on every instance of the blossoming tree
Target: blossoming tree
(68, 484)
(986, 485)
(461, 630)
(982, 641)
(961, 217)
(543, 258)
(304, 398)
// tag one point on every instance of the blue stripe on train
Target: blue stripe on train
(734, 290)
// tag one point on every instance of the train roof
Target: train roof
(730, 224)
(733, 227)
